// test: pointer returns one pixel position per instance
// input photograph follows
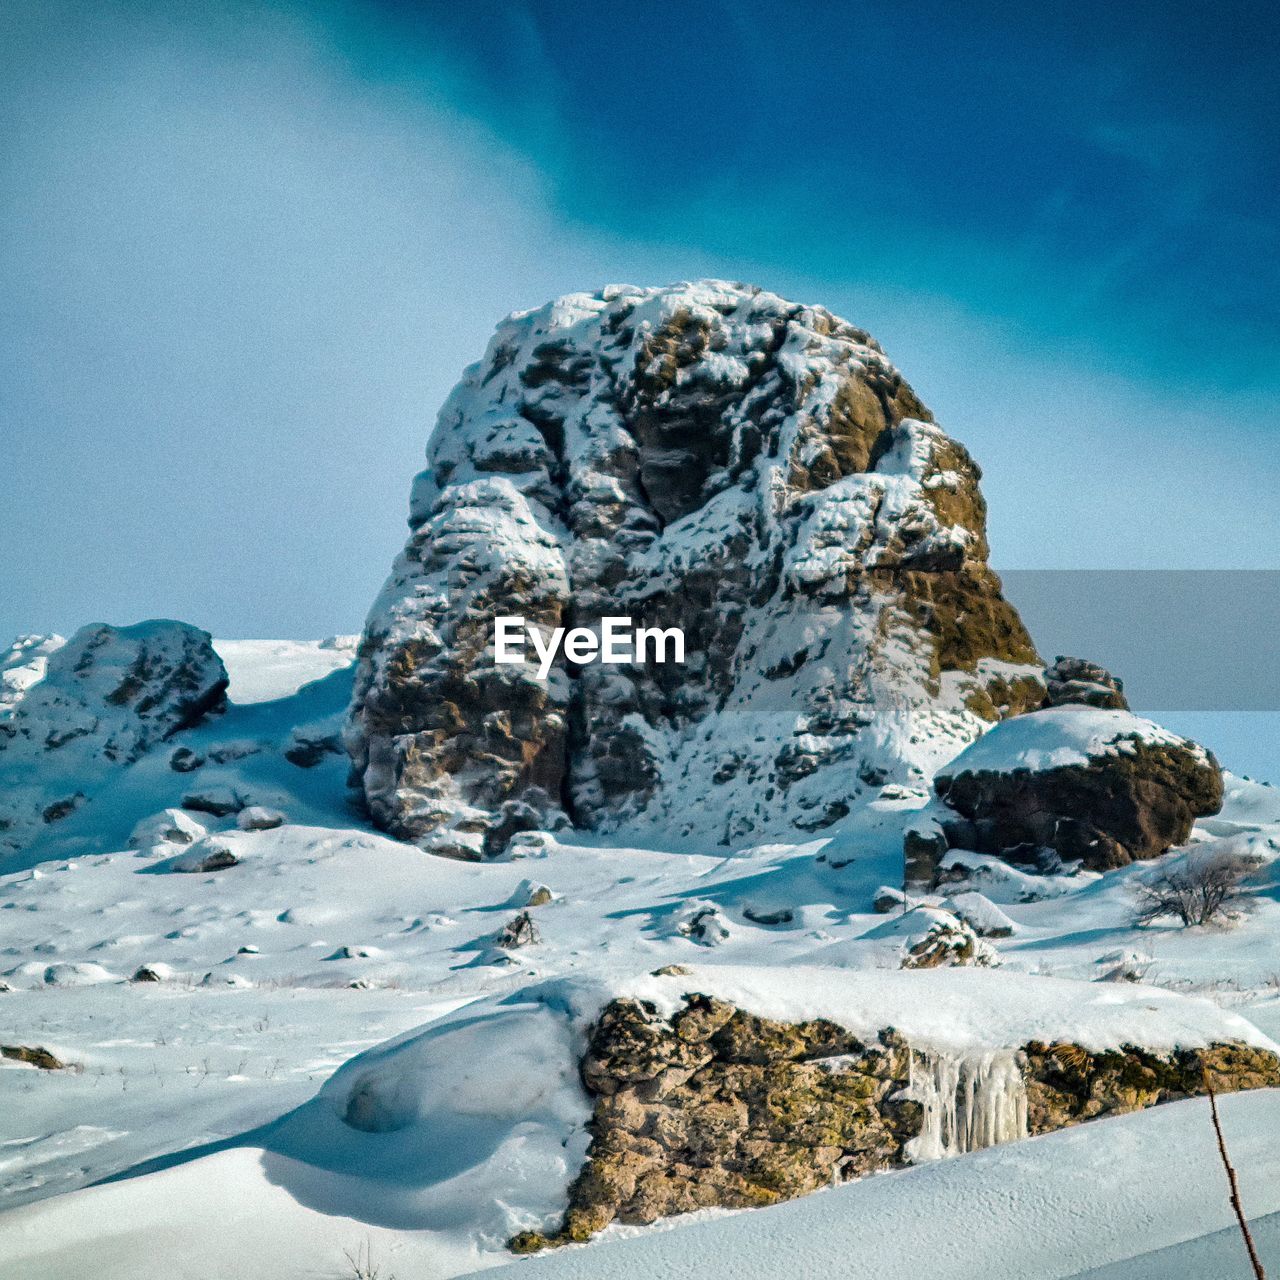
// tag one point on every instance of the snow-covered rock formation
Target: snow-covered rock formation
(84, 709)
(1079, 783)
(735, 1087)
(709, 457)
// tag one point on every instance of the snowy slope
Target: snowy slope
(326, 941)
(263, 670)
(1079, 1203)
(1053, 1207)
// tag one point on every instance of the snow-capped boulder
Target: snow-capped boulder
(310, 744)
(709, 457)
(168, 827)
(734, 1087)
(929, 938)
(105, 698)
(219, 800)
(155, 971)
(259, 817)
(888, 899)
(705, 924)
(980, 914)
(213, 853)
(1102, 787)
(77, 974)
(531, 893)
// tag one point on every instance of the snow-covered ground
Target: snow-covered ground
(262, 670)
(1097, 1201)
(203, 1096)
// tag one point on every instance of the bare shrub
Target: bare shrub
(1202, 889)
(362, 1264)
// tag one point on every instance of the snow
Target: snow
(264, 670)
(961, 1008)
(23, 664)
(1060, 736)
(1087, 1202)
(333, 974)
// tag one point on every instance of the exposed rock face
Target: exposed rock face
(719, 1107)
(104, 699)
(1067, 1084)
(709, 457)
(33, 1055)
(1076, 681)
(1102, 787)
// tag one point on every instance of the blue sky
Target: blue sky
(245, 249)
(1107, 175)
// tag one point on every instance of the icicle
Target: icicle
(971, 1100)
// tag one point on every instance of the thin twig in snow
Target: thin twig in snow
(1231, 1179)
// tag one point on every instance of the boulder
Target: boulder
(155, 972)
(309, 746)
(929, 938)
(218, 801)
(888, 899)
(208, 854)
(1076, 681)
(707, 457)
(1080, 784)
(258, 817)
(92, 706)
(168, 827)
(531, 893)
(705, 924)
(718, 1107)
(33, 1056)
(980, 914)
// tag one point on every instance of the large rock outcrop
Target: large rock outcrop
(718, 1107)
(92, 706)
(705, 456)
(1094, 785)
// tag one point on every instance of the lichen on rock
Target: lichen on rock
(718, 1107)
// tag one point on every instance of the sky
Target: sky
(245, 250)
